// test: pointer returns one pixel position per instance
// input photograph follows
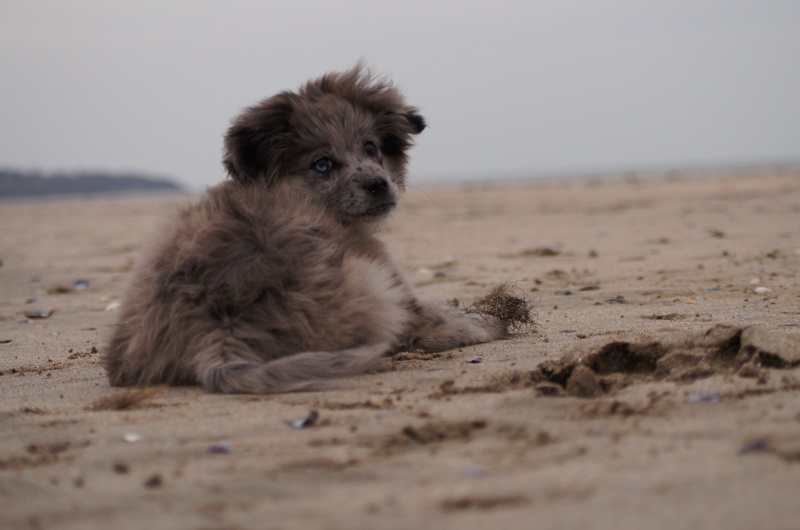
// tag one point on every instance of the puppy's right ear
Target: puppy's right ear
(257, 139)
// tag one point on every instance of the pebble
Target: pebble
(155, 481)
(220, 449)
(308, 421)
(132, 437)
(756, 446)
(705, 398)
(39, 314)
(476, 472)
(762, 290)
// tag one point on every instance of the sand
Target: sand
(660, 387)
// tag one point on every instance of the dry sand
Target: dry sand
(630, 406)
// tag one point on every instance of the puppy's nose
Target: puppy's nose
(377, 186)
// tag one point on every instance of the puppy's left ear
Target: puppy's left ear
(416, 121)
(395, 129)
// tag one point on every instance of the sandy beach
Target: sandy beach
(659, 387)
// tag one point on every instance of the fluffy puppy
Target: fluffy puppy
(275, 280)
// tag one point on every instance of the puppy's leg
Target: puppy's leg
(229, 367)
(440, 327)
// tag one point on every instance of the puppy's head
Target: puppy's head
(344, 136)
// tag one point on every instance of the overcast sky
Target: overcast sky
(508, 88)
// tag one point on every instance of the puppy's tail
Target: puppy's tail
(303, 371)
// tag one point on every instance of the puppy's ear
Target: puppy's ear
(395, 129)
(416, 121)
(257, 139)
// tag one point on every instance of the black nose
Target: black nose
(376, 186)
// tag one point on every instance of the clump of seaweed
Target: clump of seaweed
(510, 304)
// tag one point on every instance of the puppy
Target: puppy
(275, 280)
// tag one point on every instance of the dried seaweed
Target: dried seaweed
(510, 304)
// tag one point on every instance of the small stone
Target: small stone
(476, 472)
(756, 446)
(308, 421)
(155, 481)
(220, 449)
(705, 398)
(39, 314)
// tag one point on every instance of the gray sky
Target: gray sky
(509, 88)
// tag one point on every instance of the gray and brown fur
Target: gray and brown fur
(275, 280)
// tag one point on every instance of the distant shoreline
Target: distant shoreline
(19, 184)
(96, 196)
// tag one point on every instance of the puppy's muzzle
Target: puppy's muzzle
(377, 187)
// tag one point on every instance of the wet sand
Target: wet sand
(660, 387)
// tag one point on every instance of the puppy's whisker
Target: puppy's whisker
(417, 188)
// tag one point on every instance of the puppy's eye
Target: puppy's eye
(370, 149)
(323, 165)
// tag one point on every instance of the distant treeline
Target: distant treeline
(22, 184)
